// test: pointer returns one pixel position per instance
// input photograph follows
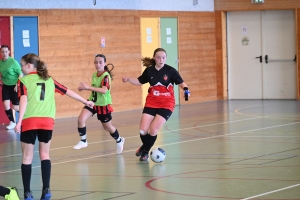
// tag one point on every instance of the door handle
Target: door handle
(280, 60)
(260, 58)
(266, 59)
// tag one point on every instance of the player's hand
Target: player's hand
(186, 93)
(125, 79)
(83, 86)
(18, 127)
(16, 88)
(90, 104)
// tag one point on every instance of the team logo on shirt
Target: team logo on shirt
(165, 77)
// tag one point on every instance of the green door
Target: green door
(169, 41)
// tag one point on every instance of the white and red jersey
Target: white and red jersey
(161, 90)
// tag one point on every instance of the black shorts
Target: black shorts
(30, 136)
(103, 118)
(165, 113)
(8, 93)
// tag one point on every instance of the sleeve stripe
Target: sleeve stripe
(59, 88)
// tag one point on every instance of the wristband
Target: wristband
(185, 88)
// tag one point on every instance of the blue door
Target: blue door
(26, 38)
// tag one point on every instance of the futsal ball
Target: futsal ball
(157, 155)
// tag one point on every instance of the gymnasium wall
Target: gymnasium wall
(165, 5)
(69, 39)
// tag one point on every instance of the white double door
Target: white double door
(252, 35)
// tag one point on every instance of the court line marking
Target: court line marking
(263, 194)
(237, 111)
(186, 141)
(90, 143)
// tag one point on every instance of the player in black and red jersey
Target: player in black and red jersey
(160, 101)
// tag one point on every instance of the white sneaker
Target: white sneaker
(11, 125)
(120, 145)
(80, 145)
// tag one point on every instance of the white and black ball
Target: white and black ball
(157, 155)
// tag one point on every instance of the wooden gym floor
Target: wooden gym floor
(242, 149)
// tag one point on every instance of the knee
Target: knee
(16, 107)
(143, 132)
(27, 159)
(81, 120)
(153, 131)
(44, 156)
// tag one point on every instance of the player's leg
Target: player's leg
(107, 125)
(9, 193)
(44, 137)
(28, 140)
(86, 113)
(146, 120)
(15, 101)
(6, 103)
(160, 118)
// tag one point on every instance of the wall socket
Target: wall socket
(195, 2)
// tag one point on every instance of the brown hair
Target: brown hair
(147, 62)
(5, 46)
(38, 64)
(106, 66)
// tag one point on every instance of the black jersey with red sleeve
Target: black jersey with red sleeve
(161, 90)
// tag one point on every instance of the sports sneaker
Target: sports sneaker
(13, 195)
(46, 194)
(28, 196)
(11, 125)
(80, 145)
(144, 156)
(139, 152)
(120, 145)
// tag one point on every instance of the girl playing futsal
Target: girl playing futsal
(36, 119)
(9, 193)
(160, 100)
(101, 87)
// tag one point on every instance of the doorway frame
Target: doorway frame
(222, 51)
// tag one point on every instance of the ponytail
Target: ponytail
(38, 64)
(147, 62)
(42, 70)
(109, 70)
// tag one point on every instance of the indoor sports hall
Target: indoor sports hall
(234, 132)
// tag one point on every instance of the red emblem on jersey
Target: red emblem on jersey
(165, 77)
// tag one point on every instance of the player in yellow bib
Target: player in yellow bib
(100, 88)
(37, 113)
(9, 193)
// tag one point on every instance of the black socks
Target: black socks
(82, 133)
(116, 136)
(150, 140)
(4, 191)
(46, 173)
(10, 115)
(26, 176)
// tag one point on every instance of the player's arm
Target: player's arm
(59, 88)
(22, 92)
(83, 86)
(77, 97)
(133, 81)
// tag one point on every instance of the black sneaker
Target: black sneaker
(28, 196)
(46, 194)
(139, 152)
(144, 156)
